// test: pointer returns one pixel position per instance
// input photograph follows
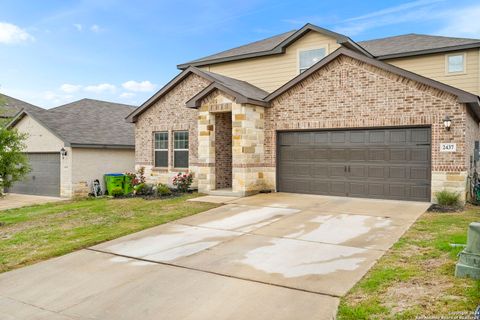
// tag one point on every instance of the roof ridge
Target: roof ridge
(417, 34)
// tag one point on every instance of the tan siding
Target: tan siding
(269, 73)
(433, 66)
(39, 138)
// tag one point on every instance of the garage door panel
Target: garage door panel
(398, 155)
(358, 171)
(337, 171)
(420, 173)
(358, 154)
(357, 137)
(420, 155)
(338, 154)
(319, 171)
(377, 137)
(358, 189)
(338, 137)
(398, 173)
(420, 135)
(377, 163)
(378, 154)
(398, 137)
(319, 154)
(338, 188)
(44, 178)
(398, 191)
(377, 172)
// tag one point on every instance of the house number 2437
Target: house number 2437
(448, 147)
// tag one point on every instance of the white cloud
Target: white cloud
(56, 99)
(11, 34)
(78, 26)
(127, 95)
(70, 88)
(461, 22)
(143, 86)
(95, 28)
(100, 88)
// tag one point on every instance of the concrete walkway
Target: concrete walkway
(15, 200)
(270, 256)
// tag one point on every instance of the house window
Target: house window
(307, 58)
(456, 63)
(161, 149)
(180, 149)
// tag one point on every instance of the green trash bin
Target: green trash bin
(113, 181)
(127, 185)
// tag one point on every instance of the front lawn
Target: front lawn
(32, 234)
(416, 277)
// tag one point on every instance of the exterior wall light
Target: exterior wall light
(63, 152)
(447, 122)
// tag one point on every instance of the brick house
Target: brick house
(312, 111)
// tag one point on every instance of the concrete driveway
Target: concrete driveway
(14, 200)
(270, 256)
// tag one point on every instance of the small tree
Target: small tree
(13, 162)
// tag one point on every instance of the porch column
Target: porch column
(248, 148)
(206, 150)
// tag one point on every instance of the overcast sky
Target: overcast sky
(55, 52)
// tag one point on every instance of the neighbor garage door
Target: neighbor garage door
(385, 164)
(44, 179)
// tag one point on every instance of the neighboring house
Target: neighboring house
(71, 145)
(312, 111)
(9, 107)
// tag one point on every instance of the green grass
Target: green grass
(32, 234)
(416, 277)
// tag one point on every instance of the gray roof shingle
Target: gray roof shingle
(91, 122)
(88, 122)
(407, 44)
(253, 47)
(410, 43)
(242, 87)
(9, 106)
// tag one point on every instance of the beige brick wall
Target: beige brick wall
(348, 93)
(168, 114)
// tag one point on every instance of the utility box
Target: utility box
(127, 186)
(468, 264)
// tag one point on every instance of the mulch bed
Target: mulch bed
(444, 209)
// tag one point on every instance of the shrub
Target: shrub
(448, 198)
(163, 190)
(116, 192)
(139, 188)
(183, 181)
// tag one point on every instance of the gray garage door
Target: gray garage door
(385, 164)
(44, 179)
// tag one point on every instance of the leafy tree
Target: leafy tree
(13, 162)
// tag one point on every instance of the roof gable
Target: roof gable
(241, 90)
(272, 46)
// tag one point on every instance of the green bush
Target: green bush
(139, 188)
(116, 192)
(163, 190)
(448, 198)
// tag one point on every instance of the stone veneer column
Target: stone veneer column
(206, 150)
(248, 149)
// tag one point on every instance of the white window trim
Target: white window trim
(155, 149)
(308, 49)
(176, 149)
(464, 54)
